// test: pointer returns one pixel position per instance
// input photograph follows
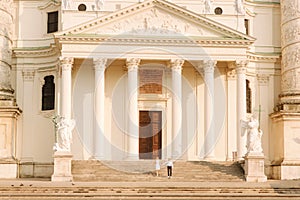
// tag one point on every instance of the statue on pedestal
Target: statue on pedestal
(64, 129)
(240, 6)
(208, 6)
(254, 135)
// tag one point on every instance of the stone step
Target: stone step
(159, 192)
(93, 170)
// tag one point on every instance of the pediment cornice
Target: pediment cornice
(78, 33)
(152, 41)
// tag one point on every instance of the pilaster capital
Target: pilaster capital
(176, 64)
(28, 74)
(66, 63)
(132, 63)
(231, 74)
(263, 79)
(241, 66)
(100, 63)
(209, 66)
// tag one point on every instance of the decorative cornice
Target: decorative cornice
(262, 58)
(35, 52)
(154, 41)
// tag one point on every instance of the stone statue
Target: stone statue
(253, 135)
(208, 6)
(99, 4)
(64, 129)
(240, 6)
(66, 4)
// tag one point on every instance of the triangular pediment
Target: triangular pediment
(155, 18)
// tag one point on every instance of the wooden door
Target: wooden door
(150, 134)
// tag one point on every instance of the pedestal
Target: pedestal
(62, 167)
(8, 139)
(254, 167)
(285, 141)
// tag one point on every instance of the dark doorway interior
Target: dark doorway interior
(150, 134)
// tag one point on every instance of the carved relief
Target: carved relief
(291, 57)
(231, 74)
(290, 32)
(289, 80)
(132, 63)
(153, 22)
(289, 9)
(6, 5)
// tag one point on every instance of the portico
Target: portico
(193, 64)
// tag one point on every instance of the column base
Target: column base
(8, 169)
(62, 167)
(254, 167)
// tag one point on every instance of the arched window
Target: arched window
(48, 93)
(248, 96)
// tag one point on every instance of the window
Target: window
(248, 96)
(48, 93)
(218, 11)
(52, 22)
(247, 26)
(82, 7)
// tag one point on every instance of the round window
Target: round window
(218, 11)
(82, 7)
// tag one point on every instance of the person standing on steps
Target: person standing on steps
(157, 166)
(169, 167)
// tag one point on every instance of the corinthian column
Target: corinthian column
(133, 120)
(99, 105)
(210, 140)
(64, 126)
(241, 108)
(176, 66)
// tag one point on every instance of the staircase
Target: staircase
(144, 170)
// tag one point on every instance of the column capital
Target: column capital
(66, 60)
(100, 63)
(263, 79)
(209, 66)
(132, 63)
(241, 66)
(176, 64)
(66, 63)
(28, 74)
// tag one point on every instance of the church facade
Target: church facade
(136, 80)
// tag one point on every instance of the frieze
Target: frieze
(152, 22)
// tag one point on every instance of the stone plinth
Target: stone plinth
(62, 167)
(285, 141)
(8, 135)
(254, 167)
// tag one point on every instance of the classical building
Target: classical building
(132, 80)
